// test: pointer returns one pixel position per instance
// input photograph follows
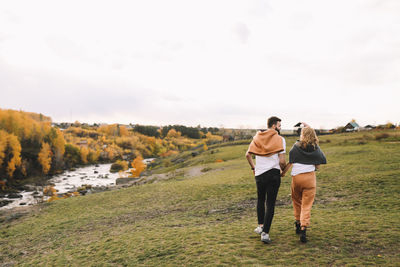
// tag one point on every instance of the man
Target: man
(269, 149)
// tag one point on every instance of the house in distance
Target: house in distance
(351, 127)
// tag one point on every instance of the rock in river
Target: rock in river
(14, 195)
(4, 202)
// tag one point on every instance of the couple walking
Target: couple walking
(305, 157)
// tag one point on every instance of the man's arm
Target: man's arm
(282, 161)
(249, 158)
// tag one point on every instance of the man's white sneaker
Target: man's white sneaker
(258, 230)
(265, 238)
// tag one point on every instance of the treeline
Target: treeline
(190, 132)
(30, 145)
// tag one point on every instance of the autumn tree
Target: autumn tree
(389, 125)
(44, 157)
(26, 126)
(58, 144)
(137, 166)
(84, 154)
(211, 138)
(173, 134)
(93, 155)
(114, 130)
(14, 152)
(3, 145)
(10, 153)
(205, 147)
(123, 131)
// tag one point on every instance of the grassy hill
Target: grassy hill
(208, 219)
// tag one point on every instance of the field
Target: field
(208, 218)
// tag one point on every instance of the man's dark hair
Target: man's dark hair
(273, 120)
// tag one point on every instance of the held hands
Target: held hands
(285, 170)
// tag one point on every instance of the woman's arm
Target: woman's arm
(249, 158)
(286, 169)
(317, 167)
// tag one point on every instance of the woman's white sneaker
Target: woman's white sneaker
(265, 238)
(258, 230)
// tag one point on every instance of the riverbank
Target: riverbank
(82, 181)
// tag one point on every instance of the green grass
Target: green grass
(209, 219)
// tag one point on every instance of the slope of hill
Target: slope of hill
(208, 219)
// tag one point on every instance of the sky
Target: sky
(219, 63)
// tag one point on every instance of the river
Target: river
(69, 181)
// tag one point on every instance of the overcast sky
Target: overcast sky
(215, 63)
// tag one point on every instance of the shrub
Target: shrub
(119, 165)
(381, 136)
(167, 163)
(206, 169)
(72, 155)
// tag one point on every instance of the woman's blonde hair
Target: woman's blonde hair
(308, 137)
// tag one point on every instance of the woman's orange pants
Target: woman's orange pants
(304, 187)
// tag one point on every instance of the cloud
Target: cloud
(260, 8)
(242, 31)
(65, 48)
(58, 95)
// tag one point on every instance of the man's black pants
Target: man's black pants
(267, 186)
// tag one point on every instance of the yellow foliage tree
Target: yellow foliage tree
(84, 154)
(212, 138)
(173, 134)
(113, 130)
(205, 147)
(44, 157)
(59, 143)
(389, 125)
(137, 166)
(93, 155)
(123, 131)
(25, 125)
(15, 150)
(3, 145)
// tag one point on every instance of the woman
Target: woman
(305, 157)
